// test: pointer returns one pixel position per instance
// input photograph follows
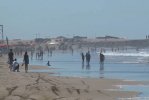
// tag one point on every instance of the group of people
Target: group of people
(14, 65)
(87, 56)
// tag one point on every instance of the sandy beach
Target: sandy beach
(42, 86)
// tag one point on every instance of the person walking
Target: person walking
(26, 61)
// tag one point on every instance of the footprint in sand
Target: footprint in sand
(69, 90)
(55, 90)
(83, 82)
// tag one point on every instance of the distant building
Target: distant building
(60, 39)
(108, 37)
(79, 37)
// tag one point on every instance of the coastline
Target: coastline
(42, 86)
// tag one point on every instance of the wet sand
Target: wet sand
(42, 86)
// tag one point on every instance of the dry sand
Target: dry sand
(42, 86)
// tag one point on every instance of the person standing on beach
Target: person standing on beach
(102, 58)
(26, 61)
(10, 59)
(88, 57)
(101, 70)
(82, 55)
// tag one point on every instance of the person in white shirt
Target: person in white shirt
(15, 65)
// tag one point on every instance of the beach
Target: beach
(74, 50)
(42, 86)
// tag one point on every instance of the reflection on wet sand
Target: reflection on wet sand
(101, 70)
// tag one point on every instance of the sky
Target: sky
(29, 19)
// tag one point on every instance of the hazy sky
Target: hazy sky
(50, 18)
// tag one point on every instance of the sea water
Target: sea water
(126, 65)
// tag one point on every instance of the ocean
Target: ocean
(123, 64)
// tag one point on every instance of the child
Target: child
(15, 65)
(48, 63)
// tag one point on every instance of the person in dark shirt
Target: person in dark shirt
(102, 57)
(48, 63)
(10, 59)
(82, 57)
(26, 61)
(88, 57)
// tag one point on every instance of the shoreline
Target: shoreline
(42, 86)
